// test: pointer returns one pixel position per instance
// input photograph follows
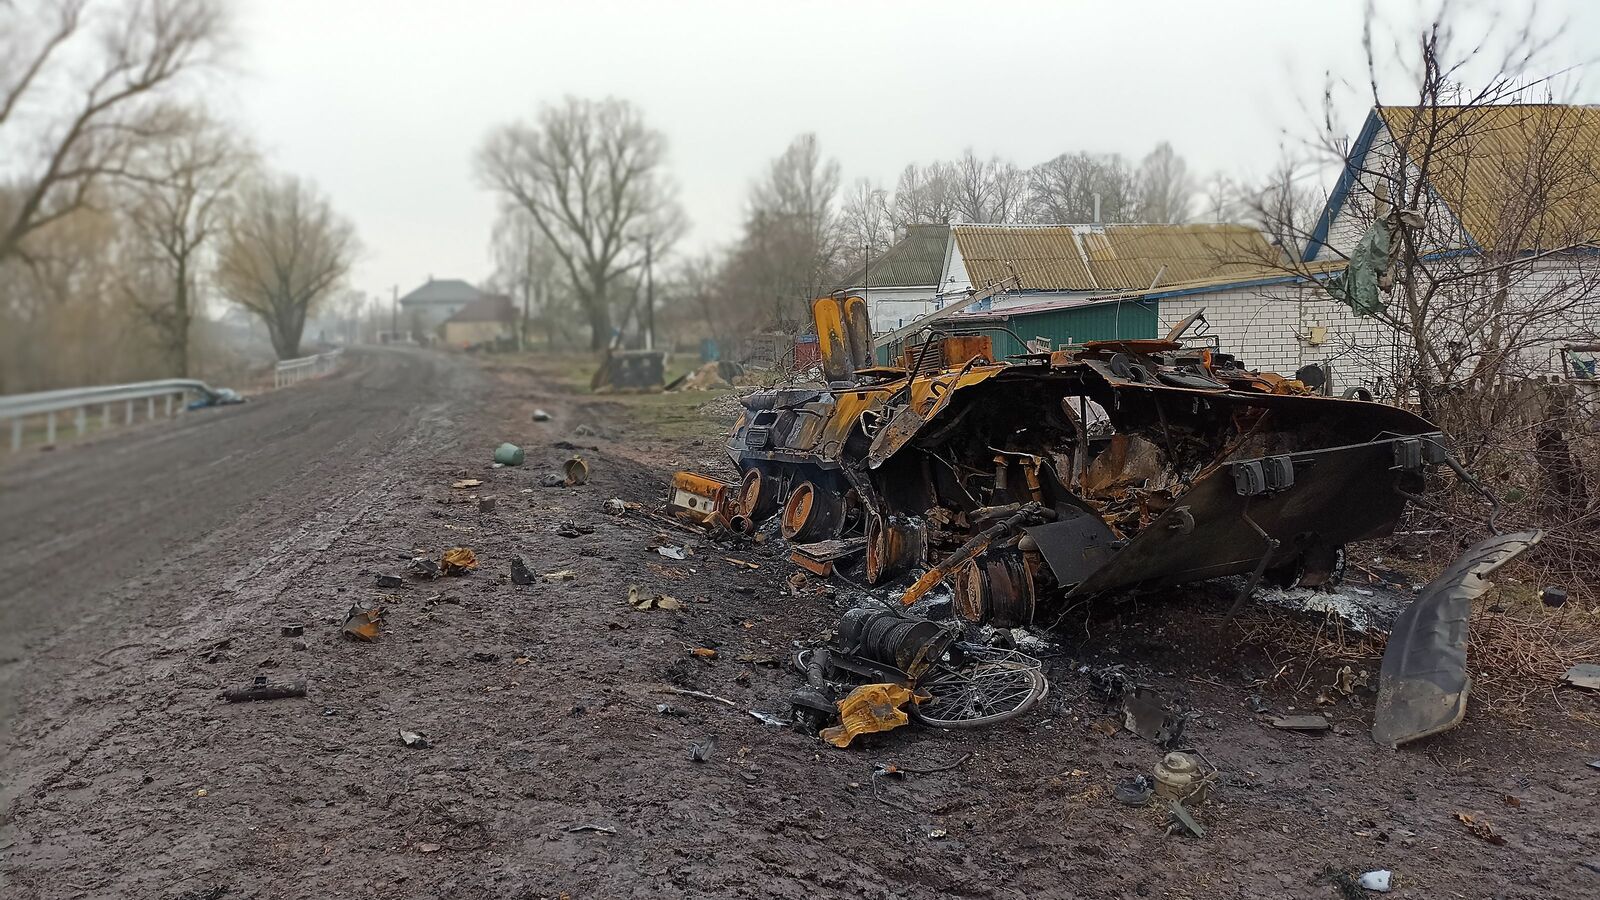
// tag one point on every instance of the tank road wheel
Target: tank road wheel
(996, 588)
(811, 514)
(893, 546)
(758, 496)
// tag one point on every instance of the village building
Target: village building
(425, 309)
(487, 320)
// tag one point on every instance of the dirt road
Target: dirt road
(148, 571)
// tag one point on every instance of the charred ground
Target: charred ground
(553, 769)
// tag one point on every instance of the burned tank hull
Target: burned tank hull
(1118, 465)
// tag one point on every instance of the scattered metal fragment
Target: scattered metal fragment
(260, 689)
(1182, 819)
(615, 506)
(590, 826)
(867, 709)
(540, 415)
(1553, 596)
(561, 575)
(703, 652)
(1423, 683)
(424, 567)
(293, 630)
(1301, 723)
(672, 551)
(466, 483)
(416, 740)
(362, 624)
(1480, 829)
(1583, 675)
(1257, 703)
(551, 479)
(486, 504)
(389, 581)
(519, 572)
(1377, 880)
(766, 718)
(508, 455)
(642, 601)
(458, 561)
(700, 751)
(576, 471)
(574, 529)
(1135, 791)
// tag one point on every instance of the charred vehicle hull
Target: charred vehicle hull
(1070, 474)
(1119, 466)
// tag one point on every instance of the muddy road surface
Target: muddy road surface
(145, 572)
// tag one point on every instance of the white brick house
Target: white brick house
(1511, 206)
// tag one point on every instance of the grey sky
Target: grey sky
(383, 102)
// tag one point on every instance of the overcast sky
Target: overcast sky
(384, 102)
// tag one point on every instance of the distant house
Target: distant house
(485, 320)
(425, 309)
(903, 284)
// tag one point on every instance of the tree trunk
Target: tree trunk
(180, 321)
(596, 304)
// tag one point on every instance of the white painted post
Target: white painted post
(50, 428)
(81, 420)
(169, 406)
(16, 435)
(105, 415)
(130, 413)
(149, 408)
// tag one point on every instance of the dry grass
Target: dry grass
(1519, 655)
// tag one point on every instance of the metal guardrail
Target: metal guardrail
(294, 371)
(19, 408)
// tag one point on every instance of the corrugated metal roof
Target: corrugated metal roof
(1523, 174)
(442, 290)
(1112, 257)
(1044, 258)
(917, 260)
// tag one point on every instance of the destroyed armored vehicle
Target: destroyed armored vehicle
(1063, 474)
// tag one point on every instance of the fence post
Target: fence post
(50, 428)
(81, 420)
(169, 406)
(16, 435)
(129, 419)
(105, 415)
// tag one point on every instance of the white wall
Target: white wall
(1270, 329)
(890, 308)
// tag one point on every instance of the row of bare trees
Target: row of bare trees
(587, 203)
(125, 204)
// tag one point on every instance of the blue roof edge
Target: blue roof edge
(1347, 179)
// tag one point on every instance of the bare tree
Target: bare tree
(992, 190)
(178, 206)
(924, 196)
(284, 250)
(527, 267)
(1068, 188)
(1164, 186)
(790, 240)
(590, 174)
(79, 84)
(1285, 204)
(866, 230)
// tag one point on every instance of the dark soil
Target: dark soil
(148, 572)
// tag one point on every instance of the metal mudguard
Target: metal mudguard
(1423, 685)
